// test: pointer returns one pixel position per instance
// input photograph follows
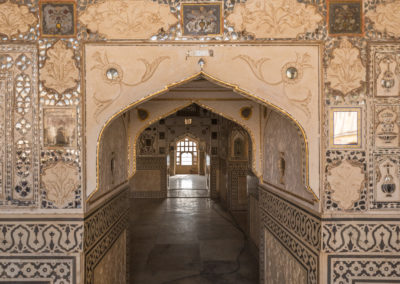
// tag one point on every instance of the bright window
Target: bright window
(186, 152)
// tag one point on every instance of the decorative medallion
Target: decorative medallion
(57, 18)
(246, 112)
(386, 17)
(345, 18)
(15, 19)
(274, 18)
(60, 72)
(119, 19)
(60, 181)
(346, 179)
(345, 70)
(202, 19)
(59, 127)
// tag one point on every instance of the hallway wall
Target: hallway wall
(63, 78)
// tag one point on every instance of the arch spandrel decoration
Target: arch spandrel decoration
(256, 71)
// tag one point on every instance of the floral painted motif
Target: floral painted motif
(386, 17)
(345, 18)
(60, 72)
(346, 71)
(58, 18)
(15, 19)
(275, 18)
(203, 19)
(121, 19)
(61, 181)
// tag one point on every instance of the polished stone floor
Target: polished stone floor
(188, 186)
(187, 241)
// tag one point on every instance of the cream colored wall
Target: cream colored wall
(114, 145)
(283, 141)
(241, 72)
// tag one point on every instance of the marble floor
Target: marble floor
(187, 241)
(188, 186)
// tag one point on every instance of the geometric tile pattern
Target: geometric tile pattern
(38, 269)
(38, 237)
(301, 240)
(103, 227)
(361, 236)
(357, 269)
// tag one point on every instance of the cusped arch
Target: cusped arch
(235, 88)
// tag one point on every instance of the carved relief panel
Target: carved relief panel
(278, 257)
(18, 125)
(385, 71)
(345, 181)
(387, 178)
(386, 126)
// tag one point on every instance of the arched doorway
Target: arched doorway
(256, 120)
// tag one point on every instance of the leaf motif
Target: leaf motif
(60, 72)
(60, 181)
(151, 67)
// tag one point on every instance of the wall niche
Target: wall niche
(386, 126)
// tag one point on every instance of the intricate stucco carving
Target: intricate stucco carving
(108, 270)
(60, 182)
(386, 126)
(279, 19)
(15, 19)
(386, 17)
(112, 75)
(118, 19)
(345, 180)
(60, 72)
(277, 257)
(346, 71)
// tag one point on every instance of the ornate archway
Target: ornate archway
(276, 92)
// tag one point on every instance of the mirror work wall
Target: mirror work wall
(325, 70)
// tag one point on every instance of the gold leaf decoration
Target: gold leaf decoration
(15, 19)
(61, 181)
(60, 72)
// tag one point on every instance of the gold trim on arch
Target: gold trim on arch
(235, 88)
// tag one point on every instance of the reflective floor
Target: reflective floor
(187, 241)
(188, 186)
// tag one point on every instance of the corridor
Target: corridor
(187, 241)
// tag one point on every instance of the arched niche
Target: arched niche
(254, 71)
